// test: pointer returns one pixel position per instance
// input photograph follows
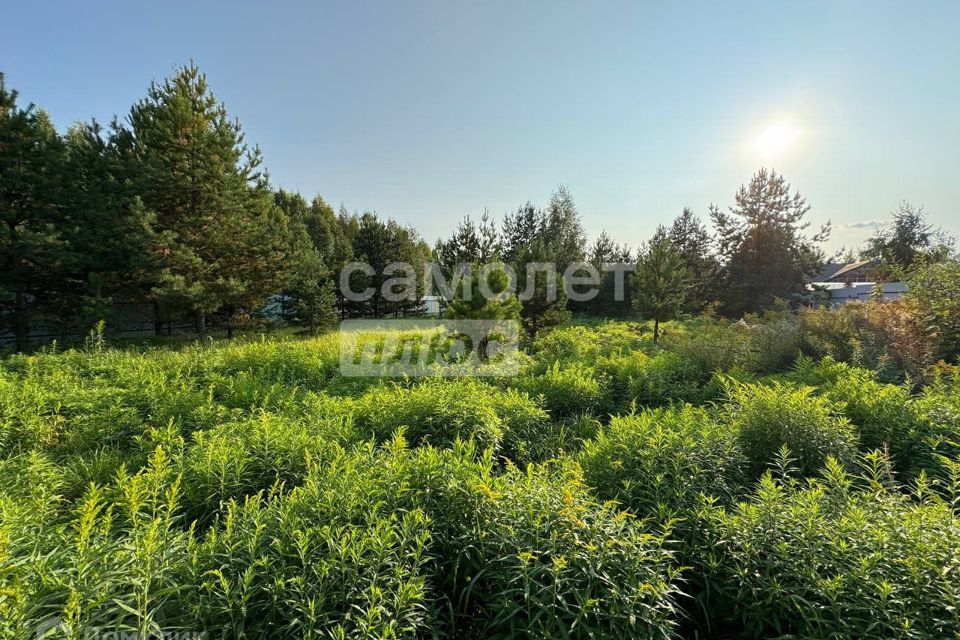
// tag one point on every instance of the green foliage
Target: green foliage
(37, 252)
(764, 344)
(908, 239)
(469, 301)
(247, 489)
(693, 241)
(935, 289)
(664, 463)
(222, 245)
(585, 344)
(888, 337)
(823, 559)
(565, 391)
(651, 380)
(439, 412)
(660, 283)
(886, 416)
(761, 241)
(769, 417)
(544, 558)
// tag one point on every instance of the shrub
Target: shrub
(242, 458)
(541, 559)
(934, 289)
(304, 363)
(823, 559)
(887, 337)
(939, 404)
(585, 344)
(762, 344)
(885, 415)
(440, 411)
(567, 391)
(650, 381)
(660, 463)
(328, 558)
(769, 417)
(110, 562)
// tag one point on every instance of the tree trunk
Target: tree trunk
(21, 324)
(656, 330)
(202, 325)
(230, 327)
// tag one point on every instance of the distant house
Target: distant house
(852, 272)
(852, 282)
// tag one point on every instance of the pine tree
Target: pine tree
(470, 243)
(692, 239)
(563, 233)
(542, 293)
(222, 245)
(520, 230)
(311, 299)
(660, 282)
(761, 240)
(481, 307)
(380, 244)
(607, 302)
(110, 229)
(37, 259)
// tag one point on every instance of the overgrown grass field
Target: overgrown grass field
(749, 480)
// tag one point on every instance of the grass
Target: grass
(718, 485)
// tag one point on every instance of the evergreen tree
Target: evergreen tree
(766, 254)
(607, 302)
(110, 228)
(532, 236)
(542, 294)
(661, 281)
(481, 307)
(381, 244)
(563, 233)
(908, 240)
(311, 299)
(692, 239)
(470, 244)
(500, 306)
(520, 230)
(222, 245)
(37, 258)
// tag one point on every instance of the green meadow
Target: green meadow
(734, 480)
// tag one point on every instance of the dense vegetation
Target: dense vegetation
(739, 464)
(170, 213)
(720, 483)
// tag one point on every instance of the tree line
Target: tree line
(170, 207)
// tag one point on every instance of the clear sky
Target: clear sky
(426, 111)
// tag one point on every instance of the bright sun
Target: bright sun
(776, 139)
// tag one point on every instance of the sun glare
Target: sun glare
(776, 139)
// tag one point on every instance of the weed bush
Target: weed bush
(888, 337)
(565, 391)
(823, 559)
(662, 462)
(441, 411)
(650, 380)
(766, 418)
(886, 416)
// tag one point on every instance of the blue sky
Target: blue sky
(426, 111)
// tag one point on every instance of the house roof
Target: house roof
(848, 268)
(828, 270)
